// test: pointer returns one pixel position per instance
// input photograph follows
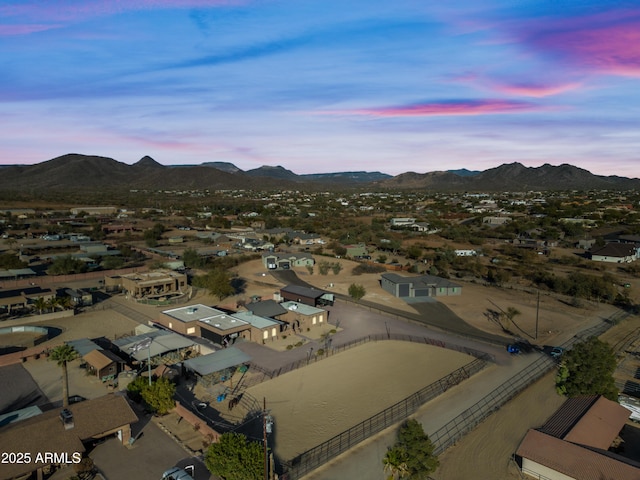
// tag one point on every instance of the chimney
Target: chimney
(67, 419)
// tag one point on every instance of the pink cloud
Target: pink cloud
(8, 30)
(608, 42)
(533, 90)
(19, 16)
(457, 107)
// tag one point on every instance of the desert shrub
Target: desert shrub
(367, 268)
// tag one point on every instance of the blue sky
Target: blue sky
(322, 86)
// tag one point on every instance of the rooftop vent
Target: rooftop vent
(67, 419)
(191, 310)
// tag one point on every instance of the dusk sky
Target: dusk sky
(324, 86)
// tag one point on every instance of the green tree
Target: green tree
(66, 265)
(192, 259)
(153, 234)
(336, 268)
(63, 355)
(159, 396)
(587, 369)
(233, 457)
(9, 261)
(412, 456)
(357, 291)
(217, 282)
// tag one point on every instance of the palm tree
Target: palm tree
(40, 304)
(64, 303)
(52, 303)
(395, 463)
(63, 355)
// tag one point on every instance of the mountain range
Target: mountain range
(94, 172)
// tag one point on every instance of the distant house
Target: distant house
(20, 298)
(586, 243)
(576, 442)
(496, 220)
(400, 222)
(285, 261)
(358, 250)
(154, 284)
(423, 227)
(418, 286)
(615, 253)
(308, 296)
(465, 253)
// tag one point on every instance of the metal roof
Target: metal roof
(162, 343)
(217, 361)
(256, 320)
(83, 346)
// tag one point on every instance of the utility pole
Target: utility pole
(264, 434)
(537, 313)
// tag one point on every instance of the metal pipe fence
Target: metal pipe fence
(470, 418)
(452, 431)
(320, 454)
(269, 374)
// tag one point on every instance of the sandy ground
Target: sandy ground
(312, 404)
(555, 316)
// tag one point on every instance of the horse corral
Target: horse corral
(314, 403)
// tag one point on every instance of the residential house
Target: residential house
(301, 317)
(67, 432)
(418, 286)
(401, 222)
(495, 221)
(576, 443)
(306, 295)
(155, 284)
(286, 261)
(615, 253)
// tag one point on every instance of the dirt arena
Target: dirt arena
(313, 404)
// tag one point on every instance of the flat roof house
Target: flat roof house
(156, 284)
(300, 316)
(418, 286)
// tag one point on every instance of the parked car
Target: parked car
(556, 352)
(513, 349)
(176, 473)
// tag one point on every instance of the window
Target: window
(265, 334)
(191, 330)
(313, 321)
(273, 332)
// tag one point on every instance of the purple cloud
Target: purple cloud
(453, 107)
(606, 42)
(23, 18)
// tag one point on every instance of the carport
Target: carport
(218, 366)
